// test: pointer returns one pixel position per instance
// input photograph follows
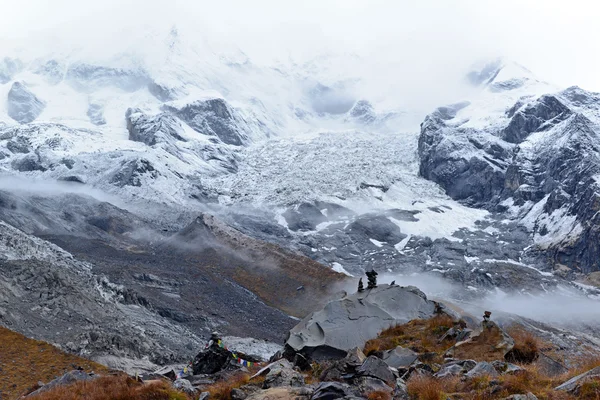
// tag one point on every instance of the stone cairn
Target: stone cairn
(372, 279)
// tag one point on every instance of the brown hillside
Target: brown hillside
(24, 362)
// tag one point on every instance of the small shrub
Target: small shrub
(527, 346)
(425, 388)
(379, 395)
(222, 390)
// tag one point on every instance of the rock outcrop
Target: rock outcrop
(212, 117)
(539, 161)
(353, 320)
(152, 129)
(23, 106)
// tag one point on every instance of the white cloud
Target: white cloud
(423, 40)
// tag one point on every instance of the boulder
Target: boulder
(66, 379)
(376, 368)
(483, 369)
(573, 383)
(368, 384)
(23, 106)
(399, 357)
(353, 320)
(490, 344)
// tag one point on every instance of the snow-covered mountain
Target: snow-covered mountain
(529, 151)
(115, 153)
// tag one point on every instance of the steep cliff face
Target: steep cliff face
(538, 162)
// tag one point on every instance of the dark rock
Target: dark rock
(23, 106)
(378, 227)
(367, 384)
(399, 357)
(376, 368)
(304, 217)
(213, 117)
(543, 114)
(132, 173)
(333, 391)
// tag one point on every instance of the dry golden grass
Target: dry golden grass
(119, 387)
(422, 336)
(24, 362)
(425, 388)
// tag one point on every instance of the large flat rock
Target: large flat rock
(351, 321)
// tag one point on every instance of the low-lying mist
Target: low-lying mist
(563, 306)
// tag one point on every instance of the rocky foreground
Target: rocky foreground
(387, 342)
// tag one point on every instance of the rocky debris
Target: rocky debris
(281, 373)
(490, 343)
(353, 320)
(345, 367)
(282, 393)
(212, 117)
(23, 106)
(572, 384)
(66, 379)
(152, 129)
(96, 114)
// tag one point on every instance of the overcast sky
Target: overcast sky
(557, 40)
